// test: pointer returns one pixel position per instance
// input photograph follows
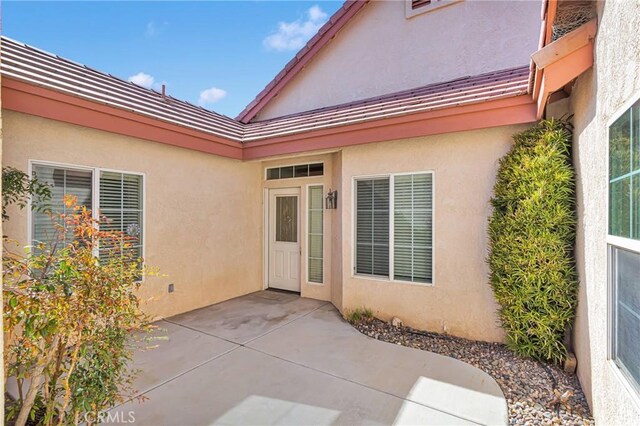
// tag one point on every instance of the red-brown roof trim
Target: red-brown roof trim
(560, 62)
(337, 21)
(39, 83)
(438, 96)
(42, 102)
(39, 68)
(492, 99)
(494, 113)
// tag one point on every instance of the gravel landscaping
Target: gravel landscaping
(537, 393)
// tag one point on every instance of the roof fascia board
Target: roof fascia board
(516, 110)
(565, 45)
(552, 8)
(29, 99)
(549, 9)
(562, 61)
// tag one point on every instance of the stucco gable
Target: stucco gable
(381, 51)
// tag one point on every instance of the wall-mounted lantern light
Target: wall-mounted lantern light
(331, 202)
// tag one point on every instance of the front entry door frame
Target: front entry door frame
(292, 250)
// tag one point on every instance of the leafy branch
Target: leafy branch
(18, 188)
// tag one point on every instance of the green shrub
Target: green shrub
(70, 321)
(531, 237)
(17, 187)
(358, 315)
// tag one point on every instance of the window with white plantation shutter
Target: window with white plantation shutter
(372, 227)
(119, 200)
(315, 234)
(63, 181)
(121, 204)
(412, 236)
(409, 234)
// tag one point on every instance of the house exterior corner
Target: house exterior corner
(193, 205)
(600, 97)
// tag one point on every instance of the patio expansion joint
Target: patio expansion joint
(236, 346)
(284, 324)
(182, 373)
(197, 330)
(252, 339)
(326, 373)
(364, 385)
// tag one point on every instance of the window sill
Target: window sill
(390, 281)
(628, 244)
(625, 382)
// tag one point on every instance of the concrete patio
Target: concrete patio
(276, 358)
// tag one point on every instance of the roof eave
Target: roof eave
(515, 110)
(26, 98)
(34, 100)
(561, 61)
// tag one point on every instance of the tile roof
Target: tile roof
(44, 69)
(337, 21)
(39, 68)
(463, 91)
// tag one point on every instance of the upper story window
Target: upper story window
(298, 171)
(416, 7)
(624, 242)
(415, 4)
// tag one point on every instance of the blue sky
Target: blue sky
(217, 54)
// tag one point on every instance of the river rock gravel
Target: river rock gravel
(537, 393)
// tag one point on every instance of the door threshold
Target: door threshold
(280, 290)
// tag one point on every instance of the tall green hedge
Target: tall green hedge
(532, 234)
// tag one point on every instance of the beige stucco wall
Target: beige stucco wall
(195, 204)
(336, 234)
(381, 51)
(597, 98)
(204, 219)
(465, 164)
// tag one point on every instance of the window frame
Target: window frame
(305, 163)
(390, 278)
(612, 242)
(306, 233)
(410, 12)
(95, 194)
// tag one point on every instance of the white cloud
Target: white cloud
(154, 29)
(293, 35)
(316, 14)
(210, 96)
(142, 79)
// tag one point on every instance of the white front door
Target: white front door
(284, 239)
